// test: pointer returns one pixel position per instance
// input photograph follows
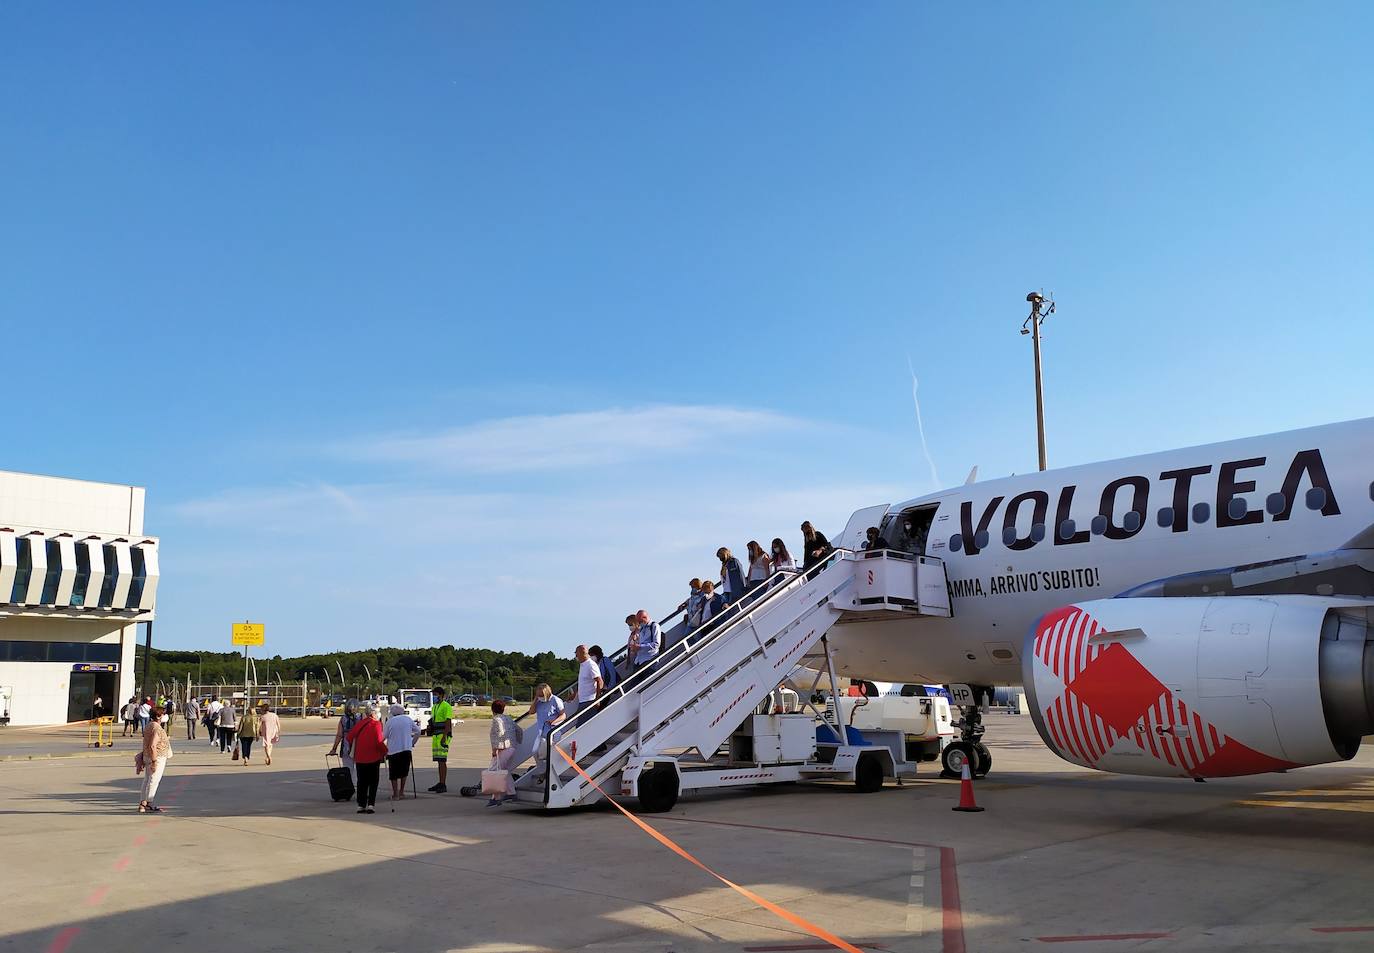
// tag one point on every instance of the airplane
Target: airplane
(1195, 613)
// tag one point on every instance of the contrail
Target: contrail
(920, 428)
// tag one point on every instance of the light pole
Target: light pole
(487, 676)
(1031, 326)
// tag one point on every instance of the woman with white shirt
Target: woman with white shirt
(782, 559)
(505, 734)
(400, 732)
(760, 566)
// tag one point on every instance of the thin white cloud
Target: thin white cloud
(598, 438)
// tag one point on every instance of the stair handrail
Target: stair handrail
(615, 657)
(775, 585)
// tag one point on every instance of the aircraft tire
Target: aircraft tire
(956, 755)
(984, 761)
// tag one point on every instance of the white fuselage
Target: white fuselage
(1304, 491)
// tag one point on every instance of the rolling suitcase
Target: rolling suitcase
(340, 781)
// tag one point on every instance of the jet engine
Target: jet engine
(1203, 686)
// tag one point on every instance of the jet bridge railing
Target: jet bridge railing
(690, 647)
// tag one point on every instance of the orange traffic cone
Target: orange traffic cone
(966, 792)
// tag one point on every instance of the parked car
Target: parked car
(508, 700)
(467, 699)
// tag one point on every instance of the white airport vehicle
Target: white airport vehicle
(924, 721)
(1206, 612)
(418, 703)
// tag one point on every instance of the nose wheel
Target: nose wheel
(959, 753)
(969, 749)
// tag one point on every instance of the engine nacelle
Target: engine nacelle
(1203, 686)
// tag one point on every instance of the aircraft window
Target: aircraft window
(956, 543)
(1037, 532)
(1067, 529)
(1202, 512)
(1236, 509)
(980, 539)
(1008, 535)
(1131, 521)
(1166, 517)
(1316, 498)
(1274, 503)
(1099, 525)
(1371, 491)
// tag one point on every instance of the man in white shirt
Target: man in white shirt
(589, 682)
(212, 714)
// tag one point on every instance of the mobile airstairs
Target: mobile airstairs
(713, 711)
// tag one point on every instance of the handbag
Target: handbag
(495, 780)
(235, 755)
(138, 763)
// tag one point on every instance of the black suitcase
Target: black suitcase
(340, 781)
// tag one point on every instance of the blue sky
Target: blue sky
(487, 324)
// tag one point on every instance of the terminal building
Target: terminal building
(77, 575)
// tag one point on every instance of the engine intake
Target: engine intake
(1203, 686)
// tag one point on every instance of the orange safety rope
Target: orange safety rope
(667, 842)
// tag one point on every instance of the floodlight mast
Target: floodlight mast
(1041, 308)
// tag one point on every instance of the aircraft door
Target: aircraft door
(853, 535)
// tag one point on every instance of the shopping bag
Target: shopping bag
(235, 755)
(494, 781)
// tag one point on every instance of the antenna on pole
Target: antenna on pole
(1041, 308)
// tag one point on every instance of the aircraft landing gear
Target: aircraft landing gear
(969, 749)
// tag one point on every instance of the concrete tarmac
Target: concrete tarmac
(257, 858)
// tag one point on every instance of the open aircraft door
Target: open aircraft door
(853, 535)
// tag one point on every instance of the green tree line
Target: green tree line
(382, 670)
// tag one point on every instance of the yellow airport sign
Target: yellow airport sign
(248, 633)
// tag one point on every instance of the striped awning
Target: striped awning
(77, 574)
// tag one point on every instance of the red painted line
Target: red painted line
(953, 916)
(1103, 936)
(953, 924)
(140, 840)
(783, 948)
(1343, 929)
(122, 864)
(63, 940)
(97, 895)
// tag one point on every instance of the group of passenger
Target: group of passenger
(137, 712)
(236, 733)
(363, 741)
(709, 598)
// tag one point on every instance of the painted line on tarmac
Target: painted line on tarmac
(1360, 929)
(1099, 937)
(786, 947)
(63, 940)
(952, 916)
(97, 896)
(916, 897)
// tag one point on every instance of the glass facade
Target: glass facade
(53, 574)
(83, 575)
(24, 570)
(59, 651)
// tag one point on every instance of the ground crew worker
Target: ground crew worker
(441, 728)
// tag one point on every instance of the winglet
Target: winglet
(972, 476)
